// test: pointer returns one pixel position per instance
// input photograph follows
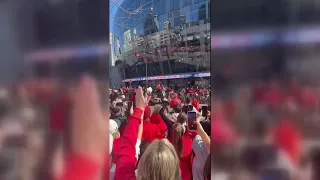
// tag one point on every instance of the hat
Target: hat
(147, 113)
(174, 102)
(149, 90)
(113, 127)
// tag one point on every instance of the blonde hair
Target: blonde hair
(159, 162)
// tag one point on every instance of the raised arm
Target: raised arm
(166, 120)
(204, 136)
(126, 159)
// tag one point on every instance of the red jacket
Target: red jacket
(186, 158)
(126, 160)
(150, 131)
(115, 148)
(157, 120)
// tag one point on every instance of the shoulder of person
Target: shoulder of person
(284, 161)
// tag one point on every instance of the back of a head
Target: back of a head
(156, 109)
(261, 128)
(177, 109)
(182, 118)
(178, 131)
(159, 162)
(188, 100)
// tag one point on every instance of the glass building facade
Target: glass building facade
(161, 37)
(246, 14)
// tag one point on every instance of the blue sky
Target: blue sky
(113, 10)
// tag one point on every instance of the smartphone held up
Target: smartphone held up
(192, 119)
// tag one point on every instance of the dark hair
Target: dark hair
(206, 125)
(177, 109)
(188, 100)
(143, 146)
(207, 168)
(260, 128)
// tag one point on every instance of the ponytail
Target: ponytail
(178, 131)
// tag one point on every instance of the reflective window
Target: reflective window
(189, 2)
(172, 47)
(202, 11)
(182, 3)
(167, 4)
(161, 7)
(176, 4)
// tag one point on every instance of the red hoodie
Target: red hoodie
(150, 130)
(288, 138)
(157, 120)
(186, 158)
(195, 103)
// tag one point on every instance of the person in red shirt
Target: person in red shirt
(157, 120)
(174, 102)
(183, 147)
(195, 103)
(287, 137)
(150, 131)
(197, 90)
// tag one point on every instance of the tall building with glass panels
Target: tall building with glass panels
(162, 38)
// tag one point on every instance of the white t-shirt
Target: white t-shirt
(172, 116)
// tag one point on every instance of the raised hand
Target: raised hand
(89, 128)
(141, 100)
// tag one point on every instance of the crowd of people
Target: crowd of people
(162, 147)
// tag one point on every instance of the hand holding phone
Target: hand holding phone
(192, 121)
